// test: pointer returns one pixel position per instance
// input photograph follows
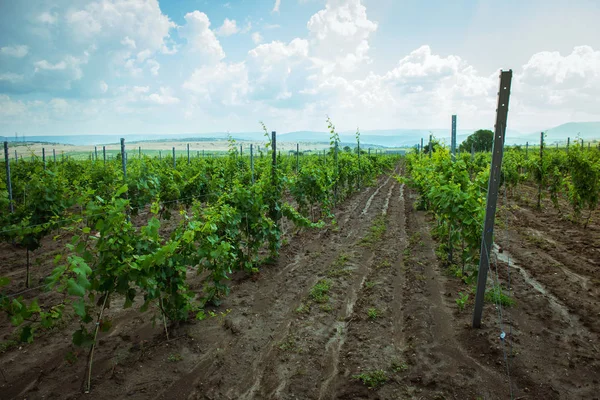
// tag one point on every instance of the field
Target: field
(375, 304)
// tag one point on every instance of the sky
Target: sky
(197, 66)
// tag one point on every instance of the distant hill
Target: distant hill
(373, 138)
(584, 130)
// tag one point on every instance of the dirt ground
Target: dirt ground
(367, 299)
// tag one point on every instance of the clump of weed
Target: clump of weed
(370, 285)
(175, 357)
(338, 267)
(289, 344)
(373, 313)
(495, 295)
(326, 307)
(320, 290)
(303, 308)
(384, 264)
(398, 366)
(372, 379)
(376, 231)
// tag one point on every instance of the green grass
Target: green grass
(372, 379)
(495, 295)
(175, 357)
(398, 366)
(319, 292)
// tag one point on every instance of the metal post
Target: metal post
(54, 155)
(95, 154)
(526, 150)
(421, 149)
(123, 159)
(44, 157)
(202, 153)
(104, 154)
(160, 155)
(252, 163)
(8, 183)
(188, 153)
(453, 139)
(16, 157)
(297, 158)
(273, 213)
(174, 161)
(140, 152)
(568, 143)
(492, 196)
(240, 150)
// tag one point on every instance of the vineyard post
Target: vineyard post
(95, 154)
(430, 145)
(582, 143)
(160, 155)
(358, 153)
(369, 151)
(202, 153)
(54, 155)
(140, 152)
(492, 194)
(104, 154)
(568, 143)
(240, 150)
(174, 161)
(453, 138)
(44, 157)
(188, 153)
(123, 160)
(252, 163)
(539, 202)
(421, 149)
(8, 183)
(337, 173)
(297, 158)
(556, 145)
(274, 212)
(526, 150)
(16, 157)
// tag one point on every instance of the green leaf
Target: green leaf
(79, 307)
(4, 281)
(26, 335)
(82, 338)
(74, 289)
(34, 307)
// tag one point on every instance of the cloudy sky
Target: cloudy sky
(192, 66)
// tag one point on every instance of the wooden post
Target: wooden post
(123, 159)
(453, 138)
(252, 163)
(297, 158)
(492, 194)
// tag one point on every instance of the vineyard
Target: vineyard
(336, 275)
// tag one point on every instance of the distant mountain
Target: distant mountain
(374, 138)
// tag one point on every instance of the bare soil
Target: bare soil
(390, 307)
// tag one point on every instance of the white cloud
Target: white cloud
(271, 26)
(257, 38)
(200, 37)
(48, 18)
(11, 77)
(164, 97)
(128, 42)
(9, 108)
(154, 66)
(276, 6)
(221, 83)
(139, 20)
(15, 51)
(228, 28)
(339, 35)
(103, 87)
(143, 55)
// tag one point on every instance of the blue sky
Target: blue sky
(193, 66)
